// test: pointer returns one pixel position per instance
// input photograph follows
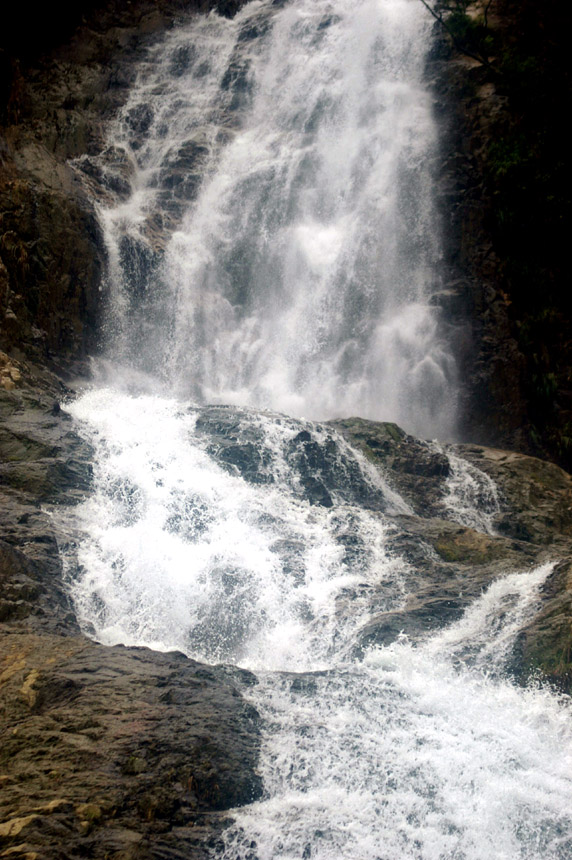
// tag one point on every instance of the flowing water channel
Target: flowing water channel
(273, 261)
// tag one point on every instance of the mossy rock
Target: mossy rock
(467, 546)
(545, 645)
(376, 439)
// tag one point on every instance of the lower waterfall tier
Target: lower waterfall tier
(421, 633)
(372, 593)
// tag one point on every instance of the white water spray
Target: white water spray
(200, 537)
(472, 497)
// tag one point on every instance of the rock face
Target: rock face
(108, 750)
(505, 190)
(451, 564)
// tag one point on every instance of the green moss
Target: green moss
(551, 653)
(467, 547)
(90, 812)
(134, 765)
(393, 431)
(469, 33)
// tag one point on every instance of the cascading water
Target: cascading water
(292, 148)
(472, 497)
(259, 540)
(272, 245)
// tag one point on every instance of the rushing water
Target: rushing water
(273, 253)
(201, 535)
(284, 158)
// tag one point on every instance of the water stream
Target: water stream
(266, 198)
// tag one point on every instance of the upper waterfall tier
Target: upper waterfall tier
(270, 226)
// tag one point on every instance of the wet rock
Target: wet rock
(450, 566)
(254, 30)
(49, 245)
(313, 463)
(182, 59)
(411, 465)
(228, 8)
(323, 470)
(56, 95)
(139, 120)
(103, 751)
(538, 494)
(237, 82)
(33, 594)
(40, 457)
(329, 473)
(107, 175)
(107, 747)
(139, 263)
(236, 445)
(466, 546)
(544, 647)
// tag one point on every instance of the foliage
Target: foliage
(470, 35)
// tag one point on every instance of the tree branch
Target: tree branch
(484, 61)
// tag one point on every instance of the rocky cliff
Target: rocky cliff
(501, 79)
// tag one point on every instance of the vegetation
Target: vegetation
(469, 33)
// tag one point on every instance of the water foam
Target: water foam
(184, 554)
(415, 753)
(282, 252)
(423, 749)
(472, 497)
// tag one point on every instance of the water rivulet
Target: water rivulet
(273, 249)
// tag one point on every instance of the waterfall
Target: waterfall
(273, 248)
(279, 246)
